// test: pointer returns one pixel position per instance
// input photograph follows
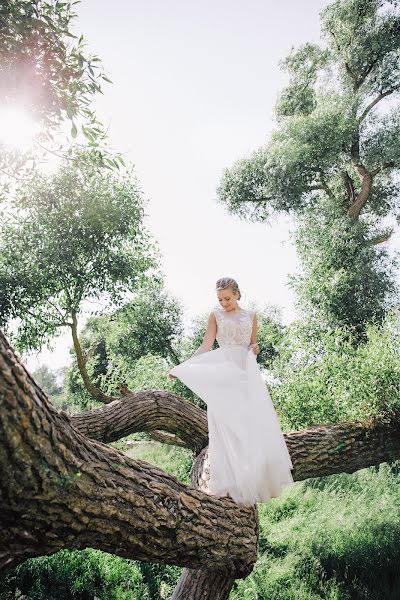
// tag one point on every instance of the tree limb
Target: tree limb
(376, 100)
(146, 411)
(380, 238)
(94, 391)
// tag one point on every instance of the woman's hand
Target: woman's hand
(172, 376)
(256, 348)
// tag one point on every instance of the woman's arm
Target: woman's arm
(208, 339)
(253, 339)
(209, 336)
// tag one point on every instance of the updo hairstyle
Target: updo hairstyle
(228, 282)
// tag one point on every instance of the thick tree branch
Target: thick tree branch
(146, 411)
(59, 489)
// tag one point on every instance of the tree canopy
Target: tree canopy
(334, 157)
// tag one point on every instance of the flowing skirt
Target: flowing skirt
(247, 452)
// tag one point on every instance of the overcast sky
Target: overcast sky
(194, 89)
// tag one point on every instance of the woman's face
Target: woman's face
(228, 299)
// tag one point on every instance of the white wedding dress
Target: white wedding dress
(248, 456)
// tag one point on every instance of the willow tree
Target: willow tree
(331, 163)
(71, 237)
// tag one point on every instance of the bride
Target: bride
(248, 456)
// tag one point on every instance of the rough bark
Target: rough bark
(206, 584)
(61, 489)
(146, 411)
(316, 451)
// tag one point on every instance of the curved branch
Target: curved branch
(147, 411)
(94, 391)
(376, 100)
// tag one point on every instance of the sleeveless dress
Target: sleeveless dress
(247, 453)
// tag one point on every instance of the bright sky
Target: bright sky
(194, 89)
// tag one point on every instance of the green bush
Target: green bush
(324, 377)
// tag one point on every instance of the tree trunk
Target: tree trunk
(95, 392)
(201, 584)
(61, 489)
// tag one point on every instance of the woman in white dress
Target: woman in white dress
(248, 456)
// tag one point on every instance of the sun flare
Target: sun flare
(17, 129)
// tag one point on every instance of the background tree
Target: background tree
(332, 162)
(48, 381)
(75, 236)
(149, 325)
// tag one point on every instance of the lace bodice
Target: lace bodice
(234, 327)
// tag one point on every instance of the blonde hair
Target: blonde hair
(228, 282)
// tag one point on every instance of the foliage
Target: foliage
(174, 460)
(333, 159)
(323, 376)
(328, 537)
(78, 575)
(74, 236)
(146, 326)
(47, 379)
(44, 66)
(344, 279)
